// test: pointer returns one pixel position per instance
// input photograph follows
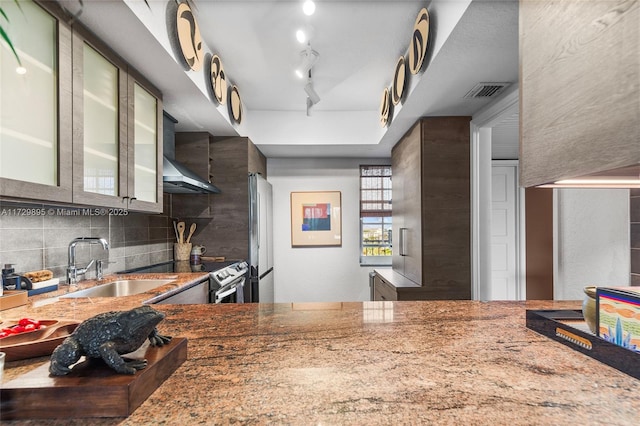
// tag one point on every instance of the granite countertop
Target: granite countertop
(433, 362)
(51, 305)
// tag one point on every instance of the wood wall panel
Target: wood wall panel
(579, 87)
(446, 214)
(431, 193)
(539, 243)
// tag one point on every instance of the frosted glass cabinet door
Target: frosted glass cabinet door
(33, 94)
(101, 124)
(145, 145)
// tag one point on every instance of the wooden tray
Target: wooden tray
(12, 298)
(557, 325)
(92, 389)
(38, 342)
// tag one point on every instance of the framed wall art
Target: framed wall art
(316, 219)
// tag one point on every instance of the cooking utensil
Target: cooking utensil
(181, 232)
(192, 229)
(175, 229)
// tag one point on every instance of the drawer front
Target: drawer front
(382, 290)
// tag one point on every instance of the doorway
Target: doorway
(498, 261)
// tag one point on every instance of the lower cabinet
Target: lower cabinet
(198, 294)
(382, 290)
(389, 285)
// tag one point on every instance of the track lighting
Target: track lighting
(309, 58)
(311, 93)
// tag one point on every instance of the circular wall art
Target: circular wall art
(218, 80)
(418, 47)
(235, 105)
(189, 37)
(398, 81)
(385, 108)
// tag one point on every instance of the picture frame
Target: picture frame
(316, 219)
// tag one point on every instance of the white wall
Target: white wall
(318, 274)
(592, 244)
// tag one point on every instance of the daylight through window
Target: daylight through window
(375, 215)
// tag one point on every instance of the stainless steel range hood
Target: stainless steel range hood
(176, 177)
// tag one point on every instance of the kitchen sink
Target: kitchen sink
(120, 288)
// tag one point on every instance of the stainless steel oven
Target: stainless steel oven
(226, 279)
(227, 284)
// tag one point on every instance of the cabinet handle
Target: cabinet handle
(403, 248)
(382, 297)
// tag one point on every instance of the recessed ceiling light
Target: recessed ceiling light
(21, 70)
(309, 7)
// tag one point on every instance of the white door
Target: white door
(504, 241)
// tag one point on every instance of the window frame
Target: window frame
(384, 213)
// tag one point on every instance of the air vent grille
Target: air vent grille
(485, 90)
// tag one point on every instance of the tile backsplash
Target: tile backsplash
(36, 236)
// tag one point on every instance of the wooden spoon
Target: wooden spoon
(181, 232)
(192, 229)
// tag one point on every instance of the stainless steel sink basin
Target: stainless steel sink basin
(120, 288)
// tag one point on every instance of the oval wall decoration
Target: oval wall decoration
(189, 37)
(218, 80)
(398, 81)
(418, 47)
(235, 105)
(385, 108)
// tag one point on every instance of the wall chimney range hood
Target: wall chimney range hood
(178, 178)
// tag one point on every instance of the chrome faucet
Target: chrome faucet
(72, 270)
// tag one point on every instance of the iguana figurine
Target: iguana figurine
(108, 336)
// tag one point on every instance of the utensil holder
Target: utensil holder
(181, 251)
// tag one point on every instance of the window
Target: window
(375, 215)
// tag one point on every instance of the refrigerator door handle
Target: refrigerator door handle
(403, 248)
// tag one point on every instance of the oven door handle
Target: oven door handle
(220, 296)
(228, 289)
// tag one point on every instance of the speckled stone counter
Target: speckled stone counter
(372, 363)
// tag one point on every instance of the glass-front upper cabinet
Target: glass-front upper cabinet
(99, 127)
(101, 124)
(145, 153)
(35, 104)
(116, 131)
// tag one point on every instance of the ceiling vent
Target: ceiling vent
(485, 90)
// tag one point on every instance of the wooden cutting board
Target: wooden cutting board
(91, 389)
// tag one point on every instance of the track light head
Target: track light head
(311, 93)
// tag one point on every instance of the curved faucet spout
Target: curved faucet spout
(72, 270)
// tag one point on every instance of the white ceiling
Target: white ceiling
(359, 43)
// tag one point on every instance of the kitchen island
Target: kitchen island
(440, 362)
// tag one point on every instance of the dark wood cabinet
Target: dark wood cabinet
(36, 148)
(117, 130)
(431, 208)
(223, 219)
(383, 290)
(108, 122)
(579, 89)
(192, 150)
(406, 164)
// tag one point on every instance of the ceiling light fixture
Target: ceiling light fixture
(309, 58)
(310, 91)
(308, 7)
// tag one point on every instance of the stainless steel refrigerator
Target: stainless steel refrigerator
(260, 240)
